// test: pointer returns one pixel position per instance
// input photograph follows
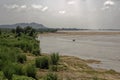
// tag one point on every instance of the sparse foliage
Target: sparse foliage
(51, 76)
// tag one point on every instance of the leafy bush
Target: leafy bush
(31, 71)
(36, 52)
(29, 31)
(54, 58)
(12, 45)
(18, 69)
(16, 77)
(1, 64)
(21, 58)
(42, 62)
(51, 76)
(9, 71)
(8, 54)
(0, 32)
(2, 76)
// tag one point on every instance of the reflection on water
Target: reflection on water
(101, 47)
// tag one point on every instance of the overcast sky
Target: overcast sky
(62, 13)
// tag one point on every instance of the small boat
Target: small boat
(73, 40)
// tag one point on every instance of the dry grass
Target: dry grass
(77, 69)
(73, 68)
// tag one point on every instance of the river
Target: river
(105, 48)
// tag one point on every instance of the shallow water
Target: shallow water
(105, 48)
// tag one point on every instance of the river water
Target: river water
(105, 48)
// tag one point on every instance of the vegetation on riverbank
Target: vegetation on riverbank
(21, 59)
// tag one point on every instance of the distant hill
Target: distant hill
(34, 25)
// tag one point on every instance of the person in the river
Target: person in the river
(73, 40)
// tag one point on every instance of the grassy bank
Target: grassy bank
(21, 59)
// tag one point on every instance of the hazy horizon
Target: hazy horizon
(88, 14)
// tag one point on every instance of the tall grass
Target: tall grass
(54, 58)
(31, 71)
(8, 71)
(16, 77)
(42, 62)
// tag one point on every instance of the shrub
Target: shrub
(21, 58)
(31, 71)
(13, 30)
(51, 76)
(9, 54)
(42, 62)
(2, 76)
(53, 68)
(36, 52)
(18, 69)
(0, 32)
(9, 71)
(95, 78)
(1, 64)
(16, 77)
(54, 58)
(111, 71)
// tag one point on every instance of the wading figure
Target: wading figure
(73, 40)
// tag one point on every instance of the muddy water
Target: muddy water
(105, 48)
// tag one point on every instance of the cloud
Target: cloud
(109, 3)
(39, 7)
(15, 6)
(36, 6)
(11, 6)
(44, 9)
(71, 2)
(105, 8)
(62, 12)
(23, 6)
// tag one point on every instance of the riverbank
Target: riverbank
(25, 60)
(73, 68)
(81, 33)
(89, 32)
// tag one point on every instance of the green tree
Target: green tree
(13, 31)
(0, 32)
(29, 31)
(19, 30)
